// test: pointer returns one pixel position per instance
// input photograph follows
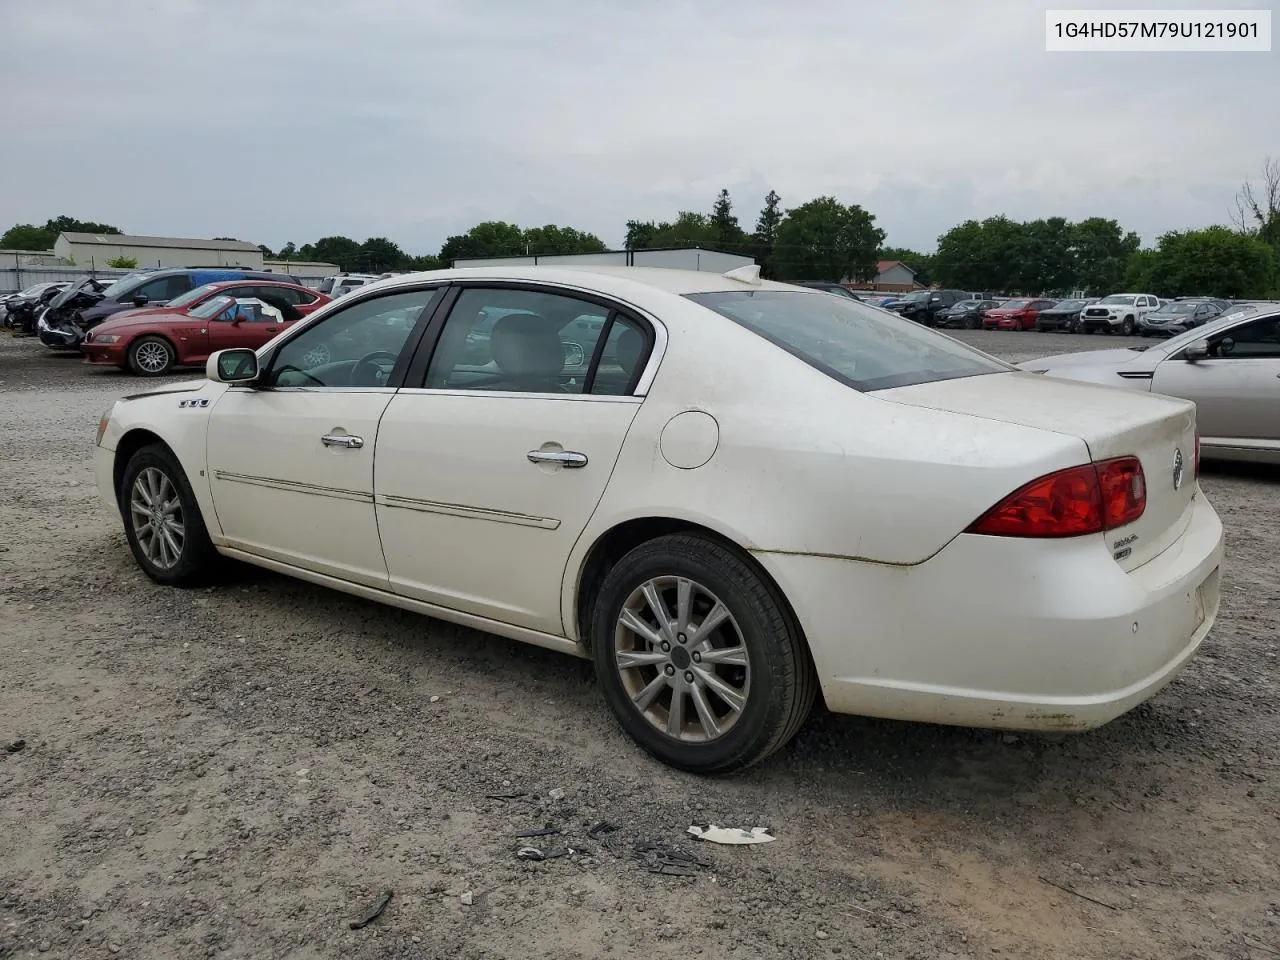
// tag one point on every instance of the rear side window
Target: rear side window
(863, 348)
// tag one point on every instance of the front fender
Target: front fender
(176, 415)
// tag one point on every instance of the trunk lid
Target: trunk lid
(1113, 422)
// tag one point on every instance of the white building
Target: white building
(93, 250)
(693, 258)
(305, 270)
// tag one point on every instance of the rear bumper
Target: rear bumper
(1009, 634)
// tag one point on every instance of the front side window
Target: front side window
(162, 288)
(862, 348)
(355, 347)
(1259, 339)
(526, 341)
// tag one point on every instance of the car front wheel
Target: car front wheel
(700, 661)
(162, 520)
(151, 356)
(1127, 327)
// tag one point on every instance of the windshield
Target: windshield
(1169, 309)
(864, 348)
(1014, 304)
(211, 307)
(1069, 305)
(1119, 299)
(36, 289)
(127, 284)
(916, 297)
(191, 296)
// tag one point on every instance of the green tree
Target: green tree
(920, 263)
(1138, 273)
(1046, 262)
(766, 233)
(687, 230)
(343, 251)
(826, 240)
(27, 236)
(1258, 210)
(1102, 251)
(123, 263)
(551, 239)
(640, 234)
(981, 256)
(960, 260)
(727, 234)
(65, 224)
(288, 252)
(1215, 262)
(425, 262)
(493, 238)
(378, 254)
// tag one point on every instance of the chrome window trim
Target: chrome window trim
(517, 395)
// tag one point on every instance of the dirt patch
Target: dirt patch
(241, 772)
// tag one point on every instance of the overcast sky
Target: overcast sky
(278, 120)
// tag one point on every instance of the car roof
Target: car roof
(618, 281)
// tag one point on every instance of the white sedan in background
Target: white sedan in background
(732, 495)
(1229, 367)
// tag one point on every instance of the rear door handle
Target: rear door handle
(565, 458)
(342, 440)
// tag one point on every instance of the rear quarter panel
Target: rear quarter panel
(805, 464)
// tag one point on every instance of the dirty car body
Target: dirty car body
(724, 491)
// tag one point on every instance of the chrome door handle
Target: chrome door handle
(566, 458)
(342, 440)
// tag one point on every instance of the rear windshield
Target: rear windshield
(865, 348)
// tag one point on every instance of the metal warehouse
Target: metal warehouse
(92, 250)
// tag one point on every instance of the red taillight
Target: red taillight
(1124, 491)
(1071, 502)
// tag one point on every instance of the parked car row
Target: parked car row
(1123, 313)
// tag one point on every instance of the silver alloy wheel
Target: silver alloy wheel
(158, 524)
(152, 356)
(676, 645)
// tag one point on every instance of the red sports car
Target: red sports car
(150, 343)
(1015, 314)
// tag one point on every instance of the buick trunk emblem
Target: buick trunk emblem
(1177, 468)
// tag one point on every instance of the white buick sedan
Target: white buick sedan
(732, 495)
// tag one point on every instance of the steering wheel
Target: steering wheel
(380, 363)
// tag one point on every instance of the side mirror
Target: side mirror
(141, 299)
(1197, 350)
(237, 365)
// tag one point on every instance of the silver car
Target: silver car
(1230, 368)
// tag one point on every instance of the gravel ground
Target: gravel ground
(240, 772)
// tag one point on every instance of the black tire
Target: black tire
(1127, 327)
(782, 683)
(197, 559)
(151, 356)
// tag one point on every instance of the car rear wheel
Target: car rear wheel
(700, 661)
(151, 356)
(162, 520)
